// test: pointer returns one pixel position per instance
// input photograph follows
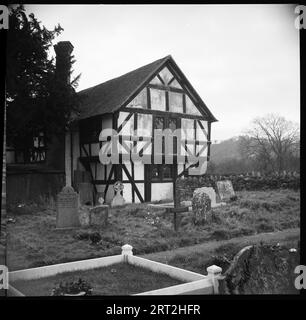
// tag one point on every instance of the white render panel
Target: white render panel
(161, 191)
(129, 169)
(140, 187)
(138, 170)
(180, 168)
(127, 192)
(128, 128)
(201, 136)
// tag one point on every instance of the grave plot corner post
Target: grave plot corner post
(127, 250)
(214, 273)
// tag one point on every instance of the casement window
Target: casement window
(162, 172)
(33, 152)
(166, 122)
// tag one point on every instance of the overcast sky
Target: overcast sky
(243, 60)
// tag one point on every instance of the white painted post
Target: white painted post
(214, 272)
(127, 250)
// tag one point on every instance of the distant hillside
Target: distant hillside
(225, 150)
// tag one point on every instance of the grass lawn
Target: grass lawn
(118, 279)
(220, 254)
(33, 240)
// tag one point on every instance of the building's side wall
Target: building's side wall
(165, 102)
(34, 182)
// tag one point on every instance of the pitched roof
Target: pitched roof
(109, 96)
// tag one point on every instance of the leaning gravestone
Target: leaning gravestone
(67, 208)
(225, 190)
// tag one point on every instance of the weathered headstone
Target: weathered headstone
(225, 189)
(201, 205)
(212, 195)
(118, 199)
(99, 215)
(84, 216)
(67, 208)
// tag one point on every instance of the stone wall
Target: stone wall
(186, 186)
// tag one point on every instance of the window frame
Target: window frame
(161, 177)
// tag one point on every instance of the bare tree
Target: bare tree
(271, 142)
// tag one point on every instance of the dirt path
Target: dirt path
(211, 246)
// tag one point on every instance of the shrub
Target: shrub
(72, 288)
(220, 234)
(94, 237)
(264, 227)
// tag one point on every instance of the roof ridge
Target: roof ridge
(162, 60)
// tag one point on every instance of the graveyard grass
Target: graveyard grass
(33, 240)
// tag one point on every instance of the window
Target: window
(158, 99)
(33, 152)
(163, 123)
(159, 123)
(175, 102)
(38, 152)
(162, 172)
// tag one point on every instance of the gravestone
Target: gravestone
(201, 205)
(67, 208)
(118, 199)
(84, 216)
(99, 215)
(225, 190)
(212, 195)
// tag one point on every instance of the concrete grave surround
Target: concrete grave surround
(67, 208)
(196, 283)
